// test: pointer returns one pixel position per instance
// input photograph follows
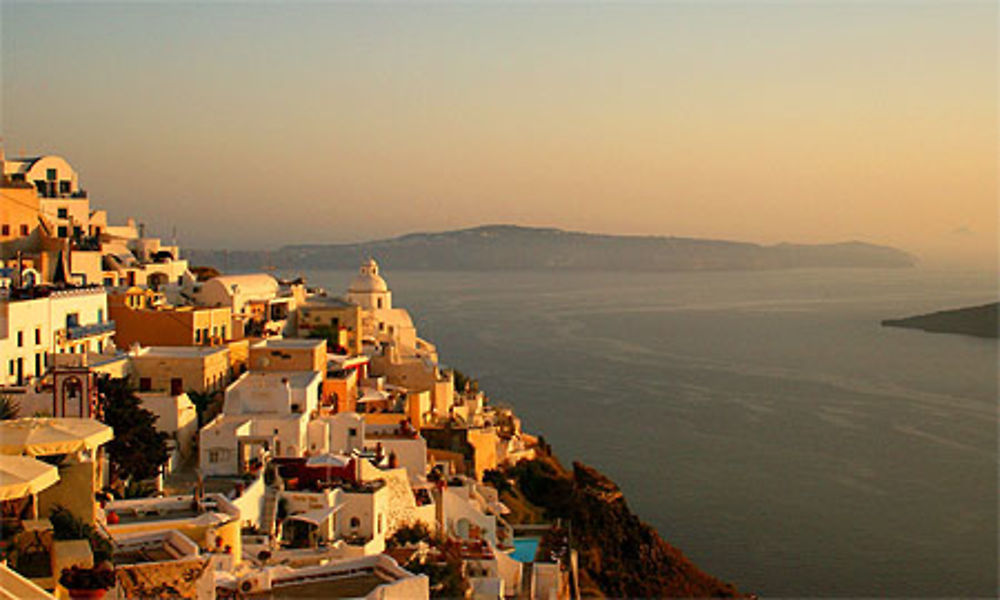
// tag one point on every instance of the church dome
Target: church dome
(368, 279)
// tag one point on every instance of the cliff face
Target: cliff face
(621, 554)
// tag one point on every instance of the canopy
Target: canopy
(44, 437)
(316, 517)
(327, 460)
(14, 586)
(21, 476)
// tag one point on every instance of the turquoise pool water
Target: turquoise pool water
(525, 549)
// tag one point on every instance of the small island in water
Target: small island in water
(512, 247)
(979, 321)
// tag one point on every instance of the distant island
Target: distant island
(511, 247)
(979, 321)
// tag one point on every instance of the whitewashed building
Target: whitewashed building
(36, 323)
(265, 413)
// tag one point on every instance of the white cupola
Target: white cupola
(369, 290)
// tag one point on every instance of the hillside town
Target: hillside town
(170, 431)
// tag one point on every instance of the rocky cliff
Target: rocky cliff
(619, 553)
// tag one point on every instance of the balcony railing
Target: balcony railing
(81, 331)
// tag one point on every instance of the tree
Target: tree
(462, 380)
(67, 526)
(202, 401)
(204, 273)
(9, 408)
(137, 450)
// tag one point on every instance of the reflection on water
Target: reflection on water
(763, 422)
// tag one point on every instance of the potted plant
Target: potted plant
(83, 583)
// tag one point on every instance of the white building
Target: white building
(97, 253)
(340, 433)
(237, 291)
(259, 302)
(176, 416)
(36, 323)
(265, 413)
(391, 338)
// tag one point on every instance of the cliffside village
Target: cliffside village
(332, 426)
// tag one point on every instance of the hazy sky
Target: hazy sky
(254, 124)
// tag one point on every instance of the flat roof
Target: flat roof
(180, 351)
(297, 379)
(290, 343)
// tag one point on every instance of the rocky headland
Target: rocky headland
(619, 555)
(978, 321)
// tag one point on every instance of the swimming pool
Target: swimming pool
(525, 549)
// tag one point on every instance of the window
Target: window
(51, 174)
(355, 522)
(223, 331)
(72, 320)
(62, 232)
(38, 335)
(10, 368)
(380, 303)
(64, 187)
(20, 339)
(38, 364)
(24, 230)
(17, 177)
(145, 384)
(5, 229)
(352, 432)
(77, 231)
(109, 281)
(100, 315)
(63, 213)
(197, 336)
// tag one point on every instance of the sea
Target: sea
(763, 422)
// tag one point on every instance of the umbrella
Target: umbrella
(44, 437)
(328, 461)
(21, 476)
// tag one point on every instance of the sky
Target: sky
(251, 125)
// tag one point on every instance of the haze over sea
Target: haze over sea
(763, 422)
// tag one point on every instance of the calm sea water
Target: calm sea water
(762, 422)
